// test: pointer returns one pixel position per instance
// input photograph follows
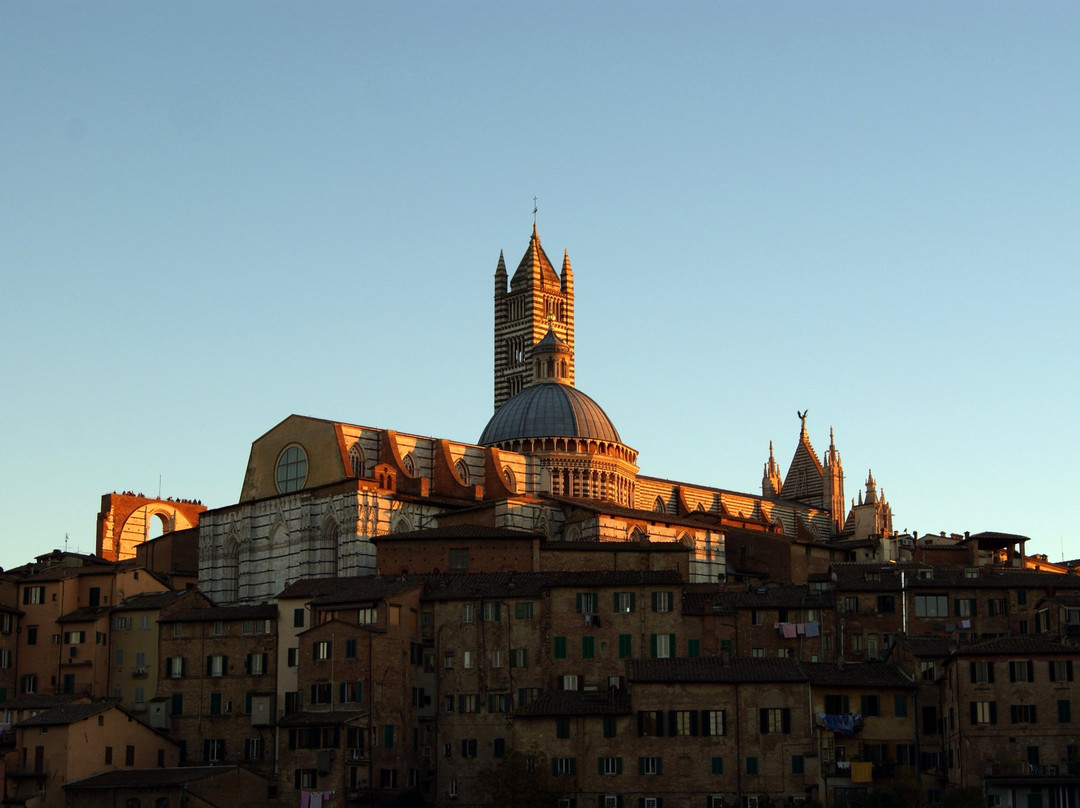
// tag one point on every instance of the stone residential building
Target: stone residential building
(217, 690)
(864, 719)
(716, 732)
(183, 787)
(1010, 725)
(10, 630)
(65, 599)
(365, 709)
(134, 667)
(71, 741)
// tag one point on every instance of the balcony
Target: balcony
(841, 723)
(27, 771)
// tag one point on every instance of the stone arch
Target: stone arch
(659, 506)
(401, 524)
(637, 534)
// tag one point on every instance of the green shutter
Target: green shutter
(693, 648)
(652, 646)
(560, 647)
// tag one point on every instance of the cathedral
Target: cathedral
(320, 495)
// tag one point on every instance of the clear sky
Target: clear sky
(215, 214)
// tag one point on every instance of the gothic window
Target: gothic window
(508, 478)
(462, 472)
(637, 534)
(230, 570)
(326, 552)
(658, 505)
(409, 464)
(356, 460)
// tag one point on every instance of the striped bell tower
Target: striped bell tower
(536, 299)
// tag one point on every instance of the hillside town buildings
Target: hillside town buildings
(390, 619)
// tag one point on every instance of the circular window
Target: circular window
(291, 470)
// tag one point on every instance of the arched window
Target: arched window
(637, 534)
(462, 472)
(326, 551)
(508, 477)
(658, 506)
(356, 460)
(410, 464)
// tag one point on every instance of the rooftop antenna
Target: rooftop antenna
(65, 542)
(159, 486)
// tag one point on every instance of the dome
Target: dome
(549, 410)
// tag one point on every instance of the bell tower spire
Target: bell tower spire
(536, 300)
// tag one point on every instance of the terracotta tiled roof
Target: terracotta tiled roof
(572, 702)
(1022, 645)
(716, 670)
(259, 611)
(853, 578)
(149, 600)
(325, 718)
(68, 713)
(705, 599)
(864, 674)
(313, 587)
(367, 588)
(532, 584)
(83, 615)
(149, 778)
(926, 646)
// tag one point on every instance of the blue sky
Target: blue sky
(215, 214)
